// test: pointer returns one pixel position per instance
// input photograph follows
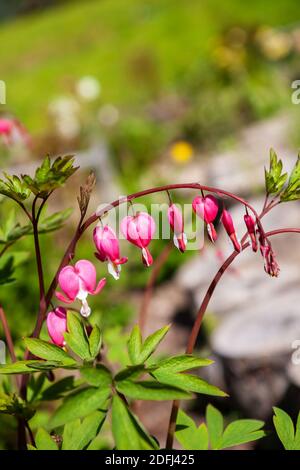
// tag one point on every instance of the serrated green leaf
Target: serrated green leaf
(292, 191)
(214, 422)
(76, 338)
(80, 404)
(98, 376)
(77, 435)
(128, 432)
(242, 431)
(285, 428)
(189, 435)
(28, 367)
(188, 382)
(58, 389)
(274, 178)
(95, 341)
(135, 345)
(150, 390)
(44, 441)
(151, 343)
(181, 363)
(48, 351)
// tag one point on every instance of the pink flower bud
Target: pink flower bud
(57, 325)
(207, 208)
(108, 248)
(250, 224)
(77, 282)
(139, 230)
(227, 222)
(177, 225)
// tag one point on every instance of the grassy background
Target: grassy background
(41, 54)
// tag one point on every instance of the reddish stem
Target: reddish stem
(7, 334)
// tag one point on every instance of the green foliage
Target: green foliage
(285, 429)
(11, 230)
(95, 340)
(77, 338)
(188, 382)
(292, 191)
(50, 176)
(212, 434)
(54, 221)
(44, 441)
(8, 264)
(98, 376)
(13, 405)
(30, 366)
(128, 432)
(45, 350)
(150, 390)
(189, 435)
(80, 404)
(274, 178)
(14, 188)
(139, 352)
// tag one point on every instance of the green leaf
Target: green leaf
(151, 343)
(97, 376)
(76, 338)
(285, 428)
(16, 406)
(28, 367)
(57, 390)
(80, 404)
(14, 188)
(189, 435)
(44, 441)
(95, 341)
(292, 191)
(45, 350)
(8, 263)
(131, 372)
(135, 345)
(242, 431)
(150, 390)
(181, 363)
(49, 176)
(189, 382)
(54, 221)
(128, 432)
(214, 421)
(77, 435)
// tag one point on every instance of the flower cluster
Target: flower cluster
(78, 281)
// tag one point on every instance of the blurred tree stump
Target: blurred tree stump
(255, 349)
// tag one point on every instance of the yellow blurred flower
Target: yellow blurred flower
(181, 151)
(275, 45)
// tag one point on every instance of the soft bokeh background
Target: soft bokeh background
(165, 91)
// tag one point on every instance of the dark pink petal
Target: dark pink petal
(99, 287)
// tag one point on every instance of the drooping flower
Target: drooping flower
(57, 325)
(77, 282)
(108, 248)
(250, 224)
(227, 222)
(207, 209)
(177, 225)
(139, 230)
(270, 264)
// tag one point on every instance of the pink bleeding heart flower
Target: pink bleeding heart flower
(250, 224)
(108, 248)
(177, 225)
(139, 230)
(57, 325)
(77, 282)
(207, 209)
(12, 131)
(227, 222)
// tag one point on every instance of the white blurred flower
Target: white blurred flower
(68, 127)
(88, 88)
(108, 115)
